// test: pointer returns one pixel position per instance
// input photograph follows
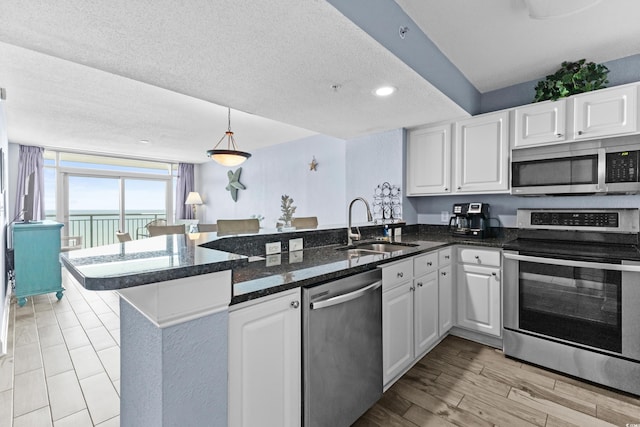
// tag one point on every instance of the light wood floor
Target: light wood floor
(467, 384)
(63, 369)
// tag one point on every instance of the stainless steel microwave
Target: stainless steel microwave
(588, 167)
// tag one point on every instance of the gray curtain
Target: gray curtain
(30, 160)
(183, 186)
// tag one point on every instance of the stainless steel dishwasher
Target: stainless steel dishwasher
(342, 349)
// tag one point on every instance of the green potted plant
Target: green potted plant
(570, 79)
(287, 209)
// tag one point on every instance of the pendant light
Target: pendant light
(230, 156)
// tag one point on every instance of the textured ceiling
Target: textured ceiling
(99, 76)
(81, 86)
(495, 43)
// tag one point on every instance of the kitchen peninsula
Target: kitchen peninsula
(175, 296)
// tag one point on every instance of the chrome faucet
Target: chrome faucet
(351, 236)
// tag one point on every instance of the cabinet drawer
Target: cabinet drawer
(396, 273)
(425, 263)
(444, 256)
(479, 256)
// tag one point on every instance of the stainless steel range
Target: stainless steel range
(572, 293)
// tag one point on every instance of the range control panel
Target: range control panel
(576, 219)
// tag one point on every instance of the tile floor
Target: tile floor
(62, 367)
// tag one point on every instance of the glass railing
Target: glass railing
(98, 229)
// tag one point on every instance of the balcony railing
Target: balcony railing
(100, 229)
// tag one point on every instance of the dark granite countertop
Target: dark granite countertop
(164, 258)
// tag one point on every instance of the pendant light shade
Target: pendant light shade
(230, 156)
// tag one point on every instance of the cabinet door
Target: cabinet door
(265, 363)
(540, 123)
(479, 307)
(429, 160)
(425, 305)
(445, 300)
(482, 154)
(397, 330)
(605, 112)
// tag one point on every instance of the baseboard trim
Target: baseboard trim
(4, 326)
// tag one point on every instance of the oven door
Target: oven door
(582, 303)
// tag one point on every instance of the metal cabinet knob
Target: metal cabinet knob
(459, 188)
(559, 135)
(420, 284)
(447, 257)
(446, 189)
(494, 274)
(444, 273)
(579, 132)
(477, 257)
(412, 288)
(429, 263)
(400, 274)
(295, 304)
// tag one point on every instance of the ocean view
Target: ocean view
(98, 227)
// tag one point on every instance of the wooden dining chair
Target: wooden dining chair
(161, 230)
(238, 226)
(207, 228)
(123, 236)
(305, 222)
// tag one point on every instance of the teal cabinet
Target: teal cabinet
(36, 247)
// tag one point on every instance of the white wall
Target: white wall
(274, 171)
(346, 169)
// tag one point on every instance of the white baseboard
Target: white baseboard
(4, 325)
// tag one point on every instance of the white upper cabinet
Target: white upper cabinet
(541, 123)
(429, 160)
(606, 112)
(482, 154)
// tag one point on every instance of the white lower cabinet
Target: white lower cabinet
(425, 312)
(397, 330)
(445, 300)
(265, 362)
(411, 321)
(479, 291)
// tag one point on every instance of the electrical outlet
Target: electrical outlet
(295, 245)
(444, 216)
(273, 248)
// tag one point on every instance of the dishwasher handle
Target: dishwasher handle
(345, 297)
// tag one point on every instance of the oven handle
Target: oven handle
(571, 263)
(345, 297)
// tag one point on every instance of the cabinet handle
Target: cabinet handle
(559, 135)
(446, 189)
(459, 188)
(400, 274)
(477, 257)
(444, 273)
(446, 257)
(429, 263)
(420, 284)
(412, 288)
(295, 304)
(579, 132)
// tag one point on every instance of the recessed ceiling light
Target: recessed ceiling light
(385, 91)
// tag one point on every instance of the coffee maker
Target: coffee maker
(470, 220)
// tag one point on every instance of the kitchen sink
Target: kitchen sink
(376, 247)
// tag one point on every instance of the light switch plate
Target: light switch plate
(444, 216)
(295, 244)
(273, 248)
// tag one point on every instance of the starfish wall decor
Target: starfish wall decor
(234, 183)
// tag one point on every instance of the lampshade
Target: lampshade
(193, 198)
(230, 156)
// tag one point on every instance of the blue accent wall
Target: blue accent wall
(382, 19)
